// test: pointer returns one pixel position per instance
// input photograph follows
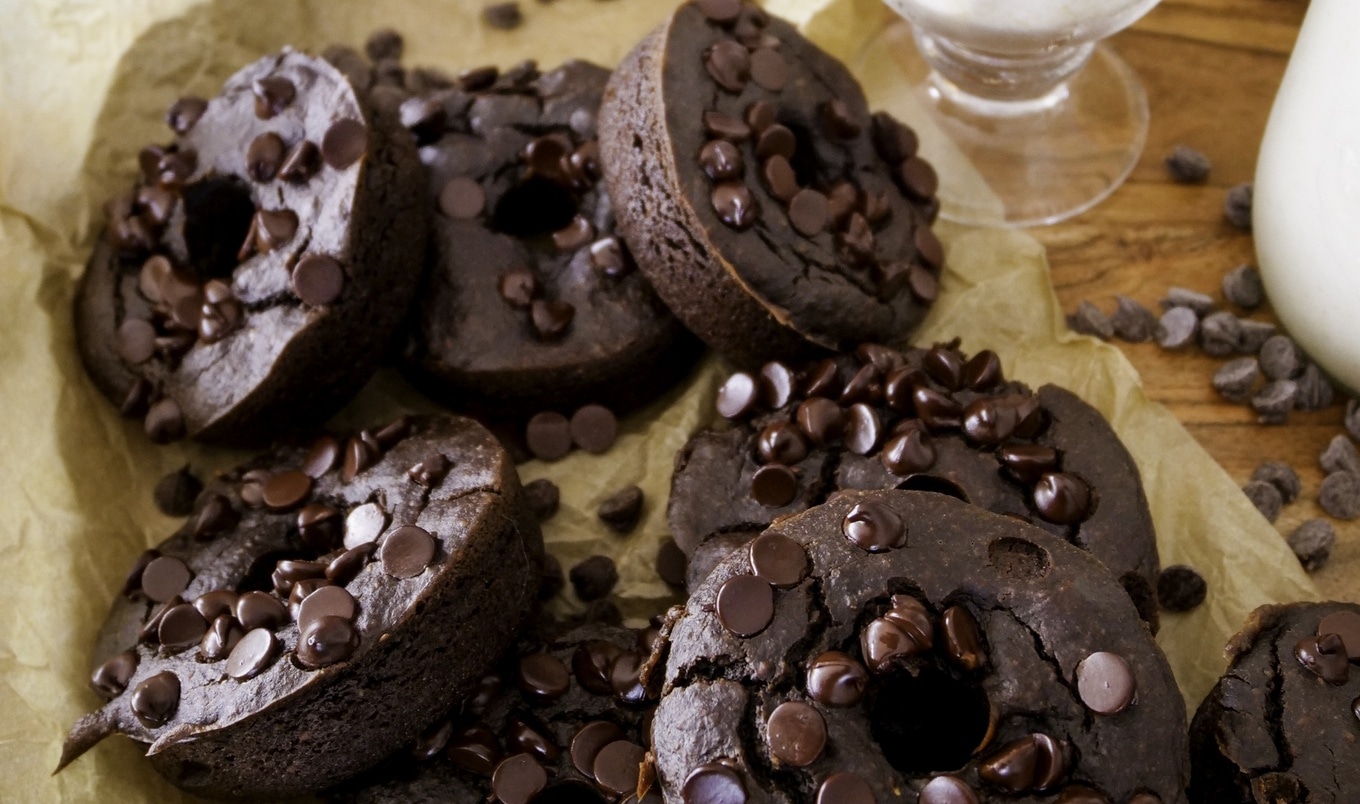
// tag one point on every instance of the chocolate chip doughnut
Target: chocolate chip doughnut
(772, 213)
(252, 280)
(1280, 725)
(531, 301)
(562, 720)
(896, 645)
(930, 419)
(318, 592)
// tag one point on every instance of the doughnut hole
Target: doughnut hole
(259, 577)
(927, 721)
(939, 485)
(217, 213)
(534, 207)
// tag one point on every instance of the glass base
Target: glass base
(1012, 163)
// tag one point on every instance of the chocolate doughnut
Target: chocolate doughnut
(1280, 725)
(318, 591)
(931, 419)
(896, 645)
(252, 280)
(531, 300)
(538, 729)
(774, 215)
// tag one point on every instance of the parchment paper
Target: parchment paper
(83, 86)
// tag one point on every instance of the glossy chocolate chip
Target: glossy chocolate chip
(608, 257)
(779, 177)
(518, 779)
(774, 485)
(318, 280)
(622, 509)
(721, 160)
(1105, 683)
(327, 601)
(111, 678)
(184, 113)
(326, 641)
(745, 605)
(908, 452)
(165, 577)
(781, 442)
(776, 385)
(589, 740)
(769, 70)
(863, 429)
(301, 162)
(905, 630)
(874, 527)
(947, 790)
(760, 115)
(917, 178)
(343, 143)
(894, 142)
(286, 490)
(1326, 656)
(845, 788)
(594, 578)
(543, 497)
(1062, 498)
(737, 396)
(407, 551)
(777, 560)
(156, 699)
(735, 205)
(796, 734)
(548, 436)
(181, 626)
(594, 428)
(347, 566)
(273, 94)
(988, 422)
(777, 140)
(938, 411)
(525, 734)
(928, 247)
(430, 471)
(474, 749)
(808, 213)
(839, 122)
(1028, 462)
(264, 157)
(618, 765)
(714, 783)
(252, 654)
(1033, 762)
(821, 420)
(591, 662)
(576, 234)
(1345, 624)
(728, 64)
(542, 677)
(962, 639)
(923, 284)
(260, 610)
(726, 127)
(551, 318)
(836, 679)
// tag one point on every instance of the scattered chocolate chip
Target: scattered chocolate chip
(1242, 286)
(774, 486)
(737, 396)
(947, 790)
(326, 641)
(301, 162)
(1237, 206)
(1062, 498)
(917, 178)
(724, 126)
(176, 492)
(548, 436)
(1339, 495)
(1105, 683)
(618, 766)
(273, 94)
(462, 198)
(503, 16)
(1283, 477)
(184, 113)
(836, 679)
(808, 212)
(845, 788)
(112, 677)
(894, 141)
(181, 626)
(796, 734)
(156, 699)
(594, 578)
(543, 498)
(164, 422)
(1187, 165)
(1352, 419)
(728, 64)
(863, 429)
(1274, 401)
(318, 280)
(714, 782)
(768, 69)
(343, 143)
(1340, 456)
(778, 560)
(430, 471)
(264, 157)
(478, 79)
(542, 677)
(1176, 328)
(407, 551)
(518, 287)
(326, 601)
(745, 605)
(1253, 335)
(962, 638)
(721, 160)
(252, 654)
(735, 205)
(874, 527)
(1325, 655)
(622, 509)
(905, 630)
(1202, 304)
(671, 563)
(1236, 380)
(840, 124)
(1180, 588)
(609, 258)
(551, 319)
(1312, 543)
(1219, 334)
(260, 610)
(594, 428)
(575, 235)
(164, 577)
(821, 420)
(777, 140)
(776, 385)
(1266, 497)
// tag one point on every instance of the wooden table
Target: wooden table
(1211, 69)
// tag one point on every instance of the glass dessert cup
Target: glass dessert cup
(1026, 117)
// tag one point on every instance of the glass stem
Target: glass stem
(998, 84)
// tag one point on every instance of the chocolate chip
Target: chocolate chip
(917, 178)
(1033, 762)
(252, 654)
(111, 678)
(260, 610)
(1312, 543)
(1236, 380)
(1352, 419)
(551, 319)
(430, 471)
(326, 601)
(618, 765)
(796, 734)
(287, 490)
(1028, 462)
(594, 578)
(462, 198)
(735, 205)
(776, 385)
(589, 740)
(1339, 495)
(164, 422)
(176, 492)
(608, 257)
(745, 605)
(574, 235)
(181, 626)
(672, 564)
(215, 517)
(862, 429)
(777, 140)
(184, 113)
(1242, 286)
(903, 631)
(1315, 392)
(1201, 304)
(721, 160)
(737, 396)
(845, 788)
(594, 428)
(273, 94)
(475, 749)
(894, 141)
(1237, 206)
(1283, 477)
(503, 17)
(714, 782)
(318, 280)
(821, 420)
(518, 287)
(591, 663)
(1090, 320)
(1062, 498)
(1254, 335)
(840, 123)
(1180, 588)
(1265, 497)
(908, 452)
(945, 366)
(947, 790)
(760, 115)
(1176, 328)
(357, 457)
(1187, 165)
(165, 577)
(768, 69)
(548, 435)
(874, 527)
(542, 677)
(1132, 322)
(1219, 334)
(622, 509)
(778, 560)
(723, 12)
(936, 410)
(728, 64)
(289, 572)
(962, 639)
(724, 126)
(347, 566)
(774, 486)
(1326, 656)
(1105, 683)
(1345, 624)
(808, 212)
(923, 284)
(1340, 456)
(156, 699)
(264, 156)
(542, 497)
(301, 162)
(1274, 401)
(407, 551)
(836, 679)
(478, 79)
(326, 641)
(343, 143)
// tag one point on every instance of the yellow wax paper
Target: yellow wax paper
(83, 86)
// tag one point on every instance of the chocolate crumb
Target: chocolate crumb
(1181, 588)
(594, 578)
(1265, 497)
(623, 509)
(1132, 321)
(1236, 380)
(1242, 286)
(1274, 401)
(1201, 303)
(1315, 391)
(1237, 206)
(1219, 334)
(1340, 456)
(1281, 358)
(1340, 495)
(1089, 320)
(1187, 165)
(503, 16)
(175, 493)
(543, 498)
(1177, 328)
(1283, 477)
(1312, 543)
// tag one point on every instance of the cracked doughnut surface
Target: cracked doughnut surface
(974, 652)
(254, 276)
(316, 591)
(1281, 723)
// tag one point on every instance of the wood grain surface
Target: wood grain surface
(1211, 69)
